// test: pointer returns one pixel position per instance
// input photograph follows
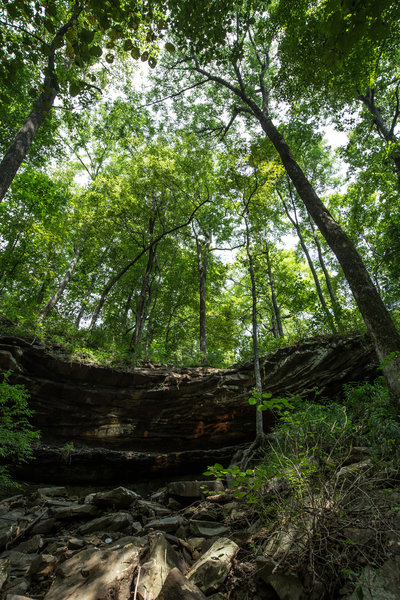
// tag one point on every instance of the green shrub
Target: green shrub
(375, 415)
(16, 433)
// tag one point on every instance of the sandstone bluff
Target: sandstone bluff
(160, 420)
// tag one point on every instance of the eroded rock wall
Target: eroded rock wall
(165, 409)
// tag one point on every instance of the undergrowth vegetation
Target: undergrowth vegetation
(324, 490)
(16, 433)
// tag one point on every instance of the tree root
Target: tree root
(245, 456)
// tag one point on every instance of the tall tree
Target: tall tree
(243, 69)
(66, 38)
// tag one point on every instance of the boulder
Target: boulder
(211, 570)
(110, 522)
(74, 511)
(9, 526)
(208, 529)
(31, 545)
(117, 498)
(193, 489)
(154, 571)
(168, 524)
(94, 574)
(379, 584)
(19, 562)
(286, 586)
(42, 567)
(4, 564)
(178, 587)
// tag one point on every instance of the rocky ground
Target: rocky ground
(181, 543)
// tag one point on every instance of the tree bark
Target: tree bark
(6, 255)
(335, 304)
(19, 147)
(202, 253)
(386, 131)
(277, 328)
(22, 142)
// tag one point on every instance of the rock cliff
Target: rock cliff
(162, 412)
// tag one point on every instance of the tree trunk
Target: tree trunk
(149, 331)
(107, 289)
(140, 310)
(202, 252)
(256, 356)
(127, 306)
(57, 295)
(6, 255)
(20, 146)
(92, 284)
(335, 304)
(118, 276)
(376, 317)
(383, 128)
(277, 328)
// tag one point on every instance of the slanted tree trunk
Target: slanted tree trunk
(376, 317)
(277, 328)
(20, 146)
(335, 304)
(60, 290)
(384, 129)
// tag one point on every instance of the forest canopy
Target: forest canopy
(194, 183)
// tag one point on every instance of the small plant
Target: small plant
(66, 451)
(265, 401)
(16, 433)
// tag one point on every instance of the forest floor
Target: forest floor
(329, 532)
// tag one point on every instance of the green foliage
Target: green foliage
(375, 417)
(16, 433)
(265, 401)
(312, 441)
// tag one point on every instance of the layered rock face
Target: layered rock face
(166, 411)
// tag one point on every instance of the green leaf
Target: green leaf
(128, 45)
(75, 88)
(252, 401)
(135, 52)
(95, 51)
(87, 35)
(170, 47)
